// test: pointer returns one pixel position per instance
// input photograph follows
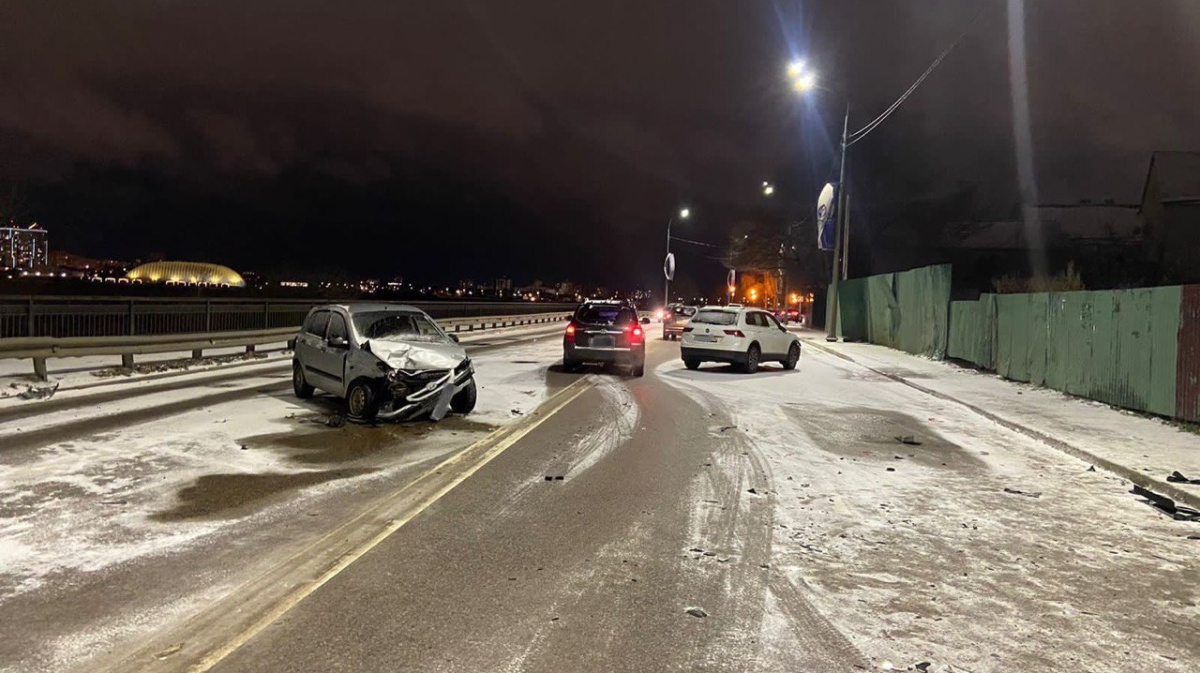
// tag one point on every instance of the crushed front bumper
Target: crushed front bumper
(410, 395)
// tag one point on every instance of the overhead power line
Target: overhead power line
(866, 130)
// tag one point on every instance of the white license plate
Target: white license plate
(603, 342)
(706, 338)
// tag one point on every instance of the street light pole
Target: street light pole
(683, 215)
(839, 238)
(667, 279)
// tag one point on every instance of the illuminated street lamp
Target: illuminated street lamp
(804, 80)
(684, 213)
(768, 189)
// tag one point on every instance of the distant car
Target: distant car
(607, 333)
(740, 336)
(787, 315)
(675, 319)
(387, 361)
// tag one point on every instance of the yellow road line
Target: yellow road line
(566, 396)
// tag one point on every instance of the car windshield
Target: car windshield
(685, 312)
(715, 317)
(593, 314)
(400, 326)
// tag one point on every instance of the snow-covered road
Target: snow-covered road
(926, 532)
(823, 518)
(92, 491)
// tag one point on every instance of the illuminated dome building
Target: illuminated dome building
(186, 273)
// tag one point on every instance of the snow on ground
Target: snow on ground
(97, 500)
(1146, 444)
(916, 551)
(511, 381)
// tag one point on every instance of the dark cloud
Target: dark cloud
(580, 125)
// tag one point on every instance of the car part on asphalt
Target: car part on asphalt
(1166, 505)
(1178, 478)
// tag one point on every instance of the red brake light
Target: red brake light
(635, 334)
(571, 332)
(735, 333)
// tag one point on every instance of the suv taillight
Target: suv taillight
(735, 333)
(571, 333)
(636, 335)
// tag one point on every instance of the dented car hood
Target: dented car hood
(418, 355)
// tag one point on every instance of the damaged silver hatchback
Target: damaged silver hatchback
(388, 361)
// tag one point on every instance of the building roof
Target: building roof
(188, 273)
(1061, 225)
(1087, 222)
(1177, 175)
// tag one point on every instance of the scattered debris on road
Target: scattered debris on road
(517, 412)
(174, 649)
(890, 469)
(1178, 478)
(696, 612)
(1027, 494)
(908, 440)
(38, 393)
(335, 420)
(1166, 505)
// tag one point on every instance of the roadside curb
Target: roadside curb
(1160, 486)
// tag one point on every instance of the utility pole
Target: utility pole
(839, 240)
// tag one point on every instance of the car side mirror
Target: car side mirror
(338, 342)
(645, 321)
(453, 337)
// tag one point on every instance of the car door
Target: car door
(309, 346)
(783, 338)
(330, 357)
(767, 335)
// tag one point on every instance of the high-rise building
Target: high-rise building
(23, 248)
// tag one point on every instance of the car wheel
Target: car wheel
(691, 364)
(752, 357)
(793, 357)
(299, 385)
(463, 401)
(638, 369)
(361, 401)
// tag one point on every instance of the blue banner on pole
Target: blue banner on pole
(827, 217)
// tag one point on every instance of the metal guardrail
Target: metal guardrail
(39, 349)
(49, 316)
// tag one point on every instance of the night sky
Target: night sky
(546, 139)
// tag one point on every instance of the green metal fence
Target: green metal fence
(1138, 349)
(907, 310)
(1116, 346)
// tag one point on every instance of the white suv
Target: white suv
(741, 336)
